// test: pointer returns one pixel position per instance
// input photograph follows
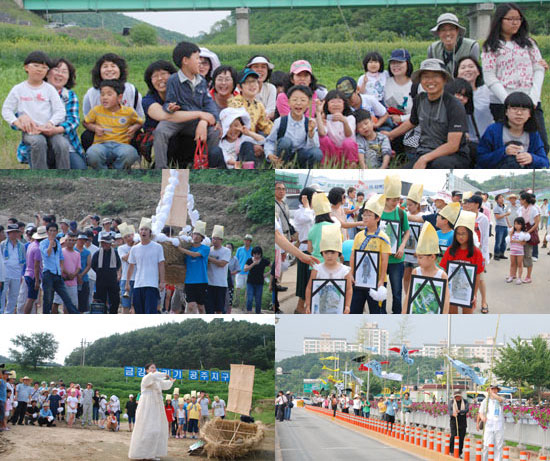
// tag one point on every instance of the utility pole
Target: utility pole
(83, 346)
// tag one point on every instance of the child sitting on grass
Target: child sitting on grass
(374, 148)
(110, 123)
(34, 107)
(294, 134)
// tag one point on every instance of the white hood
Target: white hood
(230, 114)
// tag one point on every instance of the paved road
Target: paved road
(312, 437)
(502, 297)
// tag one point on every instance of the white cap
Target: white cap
(261, 60)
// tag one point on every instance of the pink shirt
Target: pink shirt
(71, 263)
(33, 255)
(335, 130)
(284, 108)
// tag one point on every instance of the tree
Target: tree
(539, 374)
(514, 364)
(143, 34)
(37, 349)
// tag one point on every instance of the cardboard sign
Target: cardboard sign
(241, 386)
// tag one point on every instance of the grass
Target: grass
(111, 381)
(330, 61)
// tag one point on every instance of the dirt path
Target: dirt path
(29, 443)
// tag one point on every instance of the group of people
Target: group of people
(455, 227)
(453, 112)
(25, 403)
(283, 405)
(101, 266)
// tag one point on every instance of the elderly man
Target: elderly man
(491, 414)
(22, 393)
(106, 264)
(12, 251)
(458, 409)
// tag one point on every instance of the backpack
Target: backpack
(284, 123)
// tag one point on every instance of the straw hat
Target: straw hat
(331, 238)
(200, 228)
(392, 186)
(320, 204)
(41, 233)
(428, 241)
(146, 223)
(451, 212)
(376, 204)
(25, 378)
(415, 193)
(126, 229)
(466, 219)
(217, 232)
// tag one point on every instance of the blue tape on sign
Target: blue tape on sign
(129, 372)
(193, 375)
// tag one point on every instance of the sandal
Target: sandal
(484, 309)
(509, 279)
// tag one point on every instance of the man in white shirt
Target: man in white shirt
(127, 232)
(147, 259)
(218, 259)
(491, 413)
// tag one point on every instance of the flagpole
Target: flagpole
(449, 351)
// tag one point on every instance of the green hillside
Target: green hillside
(365, 24)
(517, 181)
(114, 22)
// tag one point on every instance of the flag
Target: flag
(330, 369)
(467, 371)
(316, 392)
(329, 358)
(392, 376)
(375, 367)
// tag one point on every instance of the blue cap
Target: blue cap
(247, 72)
(401, 55)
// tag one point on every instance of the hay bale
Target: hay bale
(231, 439)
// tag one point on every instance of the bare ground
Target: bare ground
(61, 443)
(74, 199)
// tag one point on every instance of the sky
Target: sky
(291, 329)
(190, 23)
(432, 179)
(70, 330)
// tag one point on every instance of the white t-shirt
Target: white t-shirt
(268, 97)
(399, 96)
(375, 84)
(219, 408)
(181, 413)
(324, 273)
(92, 249)
(482, 113)
(146, 259)
(231, 149)
(42, 104)
(356, 404)
(72, 404)
(217, 276)
(335, 130)
(123, 250)
(92, 99)
(494, 412)
(372, 104)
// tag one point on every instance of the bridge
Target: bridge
(480, 15)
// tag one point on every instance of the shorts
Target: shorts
(215, 299)
(196, 293)
(126, 302)
(240, 280)
(411, 265)
(31, 292)
(131, 420)
(181, 421)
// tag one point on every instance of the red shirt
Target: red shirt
(462, 255)
(169, 413)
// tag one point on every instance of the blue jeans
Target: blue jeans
(52, 283)
(358, 303)
(500, 240)
(126, 302)
(95, 413)
(395, 273)
(287, 413)
(77, 162)
(112, 153)
(254, 292)
(306, 157)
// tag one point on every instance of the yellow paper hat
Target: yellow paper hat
(451, 212)
(331, 238)
(466, 219)
(186, 396)
(217, 232)
(181, 401)
(168, 397)
(126, 229)
(145, 223)
(428, 241)
(415, 193)
(376, 204)
(320, 204)
(177, 391)
(200, 228)
(467, 195)
(392, 186)
(193, 393)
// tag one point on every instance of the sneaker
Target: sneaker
(503, 257)
(535, 259)
(509, 279)
(518, 281)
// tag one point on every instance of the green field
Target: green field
(111, 381)
(329, 60)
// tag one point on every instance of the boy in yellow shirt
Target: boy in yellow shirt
(111, 122)
(193, 415)
(372, 239)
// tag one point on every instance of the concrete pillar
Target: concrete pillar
(480, 20)
(243, 35)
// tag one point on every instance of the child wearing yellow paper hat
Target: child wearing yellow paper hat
(169, 410)
(396, 266)
(372, 239)
(427, 250)
(322, 209)
(414, 199)
(445, 221)
(330, 269)
(463, 249)
(181, 413)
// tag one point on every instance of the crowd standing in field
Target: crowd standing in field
(453, 112)
(450, 229)
(104, 266)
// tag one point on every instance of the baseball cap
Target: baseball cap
(300, 66)
(401, 55)
(247, 72)
(346, 85)
(261, 60)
